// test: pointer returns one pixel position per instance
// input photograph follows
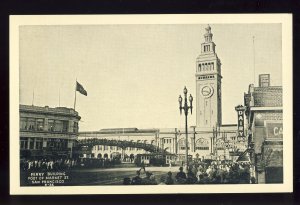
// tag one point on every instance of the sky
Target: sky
(134, 74)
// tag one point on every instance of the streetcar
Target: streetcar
(154, 159)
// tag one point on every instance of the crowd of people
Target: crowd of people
(45, 164)
(48, 164)
(200, 173)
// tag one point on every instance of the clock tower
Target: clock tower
(208, 84)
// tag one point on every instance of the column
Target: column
(122, 154)
(28, 143)
(34, 143)
(176, 146)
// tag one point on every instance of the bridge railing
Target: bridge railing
(120, 143)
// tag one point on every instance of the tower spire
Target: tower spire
(208, 35)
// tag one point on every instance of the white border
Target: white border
(284, 19)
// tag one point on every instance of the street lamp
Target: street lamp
(186, 108)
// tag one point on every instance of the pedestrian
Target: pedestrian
(181, 176)
(137, 180)
(169, 179)
(143, 166)
(162, 180)
(149, 179)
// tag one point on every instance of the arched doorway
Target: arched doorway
(105, 156)
(99, 156)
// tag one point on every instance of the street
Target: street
(114, 176)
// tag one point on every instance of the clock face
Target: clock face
(207, 91)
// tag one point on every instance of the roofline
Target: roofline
(265, 108)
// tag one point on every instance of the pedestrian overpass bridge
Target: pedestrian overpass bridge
(89, 143)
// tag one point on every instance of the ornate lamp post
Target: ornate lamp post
(186, 108)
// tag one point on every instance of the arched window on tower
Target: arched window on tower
(212, 64)
(199, 67)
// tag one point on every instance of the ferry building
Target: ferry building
(209, 139)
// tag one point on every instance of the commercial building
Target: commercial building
(46, 131)
(265, 130)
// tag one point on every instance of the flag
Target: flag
(80, 89)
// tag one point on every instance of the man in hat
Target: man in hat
(181, 176)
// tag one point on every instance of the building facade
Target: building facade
(209, 139)
(265, 130)
(46, 131)
(204, 143)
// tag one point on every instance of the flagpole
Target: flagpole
(32, 97)
(75, 94)
(59, 97)
(254, 59)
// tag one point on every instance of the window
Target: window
(65, 126)
(31, 124)
(23, 143)
(105, 147)
(205, 121)
(202, 148)
(31, 143)
(75, 127)
(50, 125)
(38, 143)
(23, 123)
(182, 145)
(202, 144)
(58, 126)
(40, 124)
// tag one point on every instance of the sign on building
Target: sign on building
(240, 126)
(264, 80)
(274, 130)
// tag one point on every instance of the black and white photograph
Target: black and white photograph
(122, 104)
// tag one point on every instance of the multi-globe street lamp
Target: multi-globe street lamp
(186, 108)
